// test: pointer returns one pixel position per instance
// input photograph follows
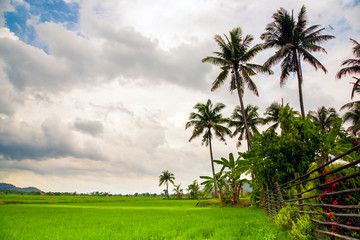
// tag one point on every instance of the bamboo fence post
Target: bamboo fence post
(281, 199)
(298, 190)
(269, 201)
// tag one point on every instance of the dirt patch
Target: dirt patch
(241, 205)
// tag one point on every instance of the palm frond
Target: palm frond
(312, 60)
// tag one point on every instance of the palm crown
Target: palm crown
(237, 121)
(353, 65)
(272, 115)
(166, 177)
(233, 57)
(322, 117)
(208, 118)
(293, 41)
(353, 116)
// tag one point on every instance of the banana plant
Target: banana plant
(229, 178)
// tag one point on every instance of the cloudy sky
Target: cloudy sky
(94, 95)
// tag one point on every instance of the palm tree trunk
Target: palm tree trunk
(248, 136)
(247, 132)
(300, 80)
(167, 189)
(212, 165)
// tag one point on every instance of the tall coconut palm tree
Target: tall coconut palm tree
(294, 42)
(165, 178)
(207, 119)
(233, 57)
(353, 116)
(353, 65)
(272, 115)
(237, 121)
(322, 117)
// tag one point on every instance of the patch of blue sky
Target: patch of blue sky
(41, 11)
(353, 4)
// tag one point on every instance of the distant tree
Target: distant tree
(208, 119)
(294, 42)
(237, 121)
(178, 191)
(193, 189)
(165, 178)
(233, 57)
(322, 117)
(272, 115)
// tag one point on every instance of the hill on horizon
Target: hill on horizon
(7, 186)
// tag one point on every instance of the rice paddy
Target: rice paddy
(77, 217)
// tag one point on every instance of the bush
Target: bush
(286, 217)
(255, 195)
(302, 228)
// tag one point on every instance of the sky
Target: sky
(95, 95)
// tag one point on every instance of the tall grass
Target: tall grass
(130, 218)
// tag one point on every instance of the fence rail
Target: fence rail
(322, 198)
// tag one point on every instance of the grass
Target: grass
(58, 217)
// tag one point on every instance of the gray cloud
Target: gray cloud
(75, 60)
(19, 140)
(91, 127)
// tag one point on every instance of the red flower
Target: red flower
(329, 180)
(335, 202)
(325, 171)
(334, 185)
(326, 191)
(321, 197)
(330, 214)
(348, 223)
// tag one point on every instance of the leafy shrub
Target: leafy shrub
(286, 217)
(302, 228)
(255, 195)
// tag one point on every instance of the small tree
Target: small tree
(193, 189)
(229, 178)
(178, 191)
(165, 178)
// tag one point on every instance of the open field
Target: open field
(59, 217)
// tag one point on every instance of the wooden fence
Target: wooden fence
(331, 198)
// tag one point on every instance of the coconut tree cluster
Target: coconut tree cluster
(290, 140)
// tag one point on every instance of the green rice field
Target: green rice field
(77, 217)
